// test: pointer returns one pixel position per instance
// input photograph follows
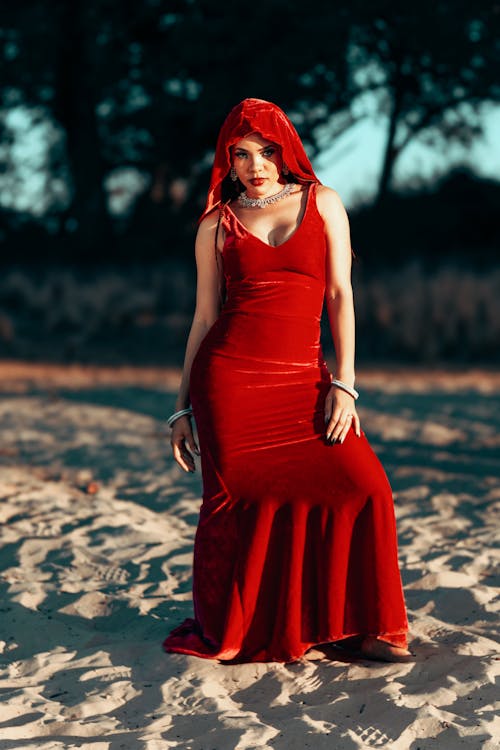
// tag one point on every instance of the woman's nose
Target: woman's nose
(256, 161)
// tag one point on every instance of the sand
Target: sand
(95, 565)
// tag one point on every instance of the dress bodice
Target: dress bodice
(247, 257)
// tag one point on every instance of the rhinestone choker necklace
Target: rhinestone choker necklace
(247, 202)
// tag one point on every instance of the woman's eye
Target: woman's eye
(269, 151)
(240, 155)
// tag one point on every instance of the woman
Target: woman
(296, 542)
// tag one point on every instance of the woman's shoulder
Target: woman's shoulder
(328, 196)
(329, 201)
(208, 224)
(211, 229)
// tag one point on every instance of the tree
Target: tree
(432, 67)
(147, 85)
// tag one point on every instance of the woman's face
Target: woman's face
(258, 164)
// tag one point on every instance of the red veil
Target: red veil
(266, 118)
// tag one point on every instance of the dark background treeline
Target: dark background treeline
(104, 270)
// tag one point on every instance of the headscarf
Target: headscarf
(267, 119)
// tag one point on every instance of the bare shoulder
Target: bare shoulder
(208, 225)
(329, 202)
(205, 236)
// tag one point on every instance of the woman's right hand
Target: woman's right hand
(183, 444)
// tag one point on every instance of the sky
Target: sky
(351, 164)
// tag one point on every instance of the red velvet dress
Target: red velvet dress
(296, 543)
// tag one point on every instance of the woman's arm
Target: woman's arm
(340, 306)
(206, 312)
(207, 307)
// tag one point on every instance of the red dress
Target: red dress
(296, 543)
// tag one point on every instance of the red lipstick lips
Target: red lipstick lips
(257, 181)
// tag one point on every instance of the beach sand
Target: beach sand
(95, 569)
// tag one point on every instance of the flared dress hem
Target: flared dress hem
(190, 629)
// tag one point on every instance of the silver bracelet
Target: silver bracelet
(347, 388)
(173, 417)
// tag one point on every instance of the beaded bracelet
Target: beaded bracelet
(347, 388)
(173, 417)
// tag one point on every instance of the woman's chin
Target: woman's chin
(266, 187)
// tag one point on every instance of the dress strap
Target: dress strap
(217, 229)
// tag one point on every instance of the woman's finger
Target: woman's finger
(333, 427)
(357, 425)
(341, 427)
(182, 437)
(330, 426)
(193, 447)
(346, 428)
(182, 456)
(179, 459)
(189, 451)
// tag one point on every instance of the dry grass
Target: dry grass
(451, 314)
(143, 314)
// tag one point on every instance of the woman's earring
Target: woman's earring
(285, 169)
(234, 176)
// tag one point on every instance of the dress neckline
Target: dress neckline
(290, 236)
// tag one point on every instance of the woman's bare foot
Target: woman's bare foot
(373, 648)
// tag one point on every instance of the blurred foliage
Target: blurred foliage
(148, 85)
(454, 221)
(142, 314)
(439, 62)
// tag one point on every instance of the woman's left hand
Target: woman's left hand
(340, 413)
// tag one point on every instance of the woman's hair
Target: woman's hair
(231, 189)
(267, 119)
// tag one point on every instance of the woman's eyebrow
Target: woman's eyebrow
(264, 148)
